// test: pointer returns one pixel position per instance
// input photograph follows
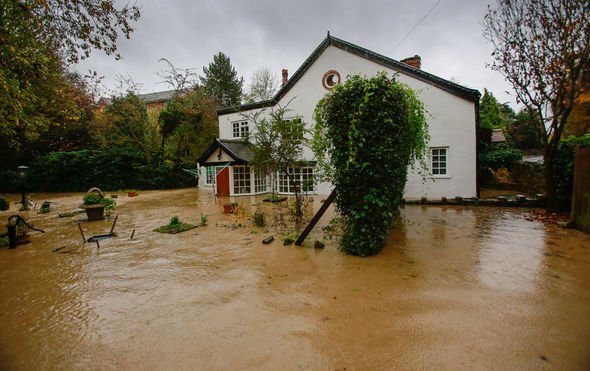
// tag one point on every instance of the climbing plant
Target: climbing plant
(367, 132)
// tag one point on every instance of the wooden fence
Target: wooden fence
(581, 195)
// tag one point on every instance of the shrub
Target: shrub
(563, 168)
(500, 158)
(121, 167)
(204, 219)
(258, 219)
(369, 130)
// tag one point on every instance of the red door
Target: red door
(223, 182)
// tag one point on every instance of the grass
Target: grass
(175, 226)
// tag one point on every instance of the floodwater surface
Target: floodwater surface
(455, 288)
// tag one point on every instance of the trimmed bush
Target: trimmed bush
(374, 128)
(120, 167)
(500, 158)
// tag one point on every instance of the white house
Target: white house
(452, 112)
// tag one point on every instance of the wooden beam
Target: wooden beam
(316, 218)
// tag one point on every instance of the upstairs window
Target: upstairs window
(438, 161)
(240, 129)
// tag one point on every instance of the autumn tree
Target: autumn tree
(221, 80)
(263, 86)
(542, 47)
(39, 41)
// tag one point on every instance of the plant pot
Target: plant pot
(131, 194)
(94, 212)
(228, 208)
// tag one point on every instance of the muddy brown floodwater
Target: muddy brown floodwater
(455, 288)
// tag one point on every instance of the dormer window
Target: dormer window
(240, 129)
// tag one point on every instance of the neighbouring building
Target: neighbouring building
(452, 112)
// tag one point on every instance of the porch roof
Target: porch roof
(238, 150)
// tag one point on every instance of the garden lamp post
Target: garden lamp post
(22, 174)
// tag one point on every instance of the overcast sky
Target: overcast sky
(282, 34)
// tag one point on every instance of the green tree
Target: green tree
(188, 123)
(221, 81)
(370, 130)
(277, 145)
(127, 123)
(542, 48)
(39, 40)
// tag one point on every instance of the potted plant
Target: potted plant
(95, 204)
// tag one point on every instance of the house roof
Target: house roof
(159, 96)
(498, 136)
(449, 86)
(238, 150)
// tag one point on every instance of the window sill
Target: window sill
(440, 177)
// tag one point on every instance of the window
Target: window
(240, 129)
(439, 161)
(210, 174)
(296, 130)
(303, 178)
(241, 180)
(260, 184)
(330, 79)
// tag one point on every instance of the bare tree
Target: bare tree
(263, 86)
(542, 47)
(126, 85)
(179, 79)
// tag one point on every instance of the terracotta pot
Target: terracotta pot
(228, 208)
(131, 194)
(95, 213)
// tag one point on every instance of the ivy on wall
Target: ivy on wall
(368, 131)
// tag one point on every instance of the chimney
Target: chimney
(285, 76)
(414, 61)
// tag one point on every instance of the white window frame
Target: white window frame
(210, 175)
(240, 129)
(284, 185)
(242, 183)
(438, 161)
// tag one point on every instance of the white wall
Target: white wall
(451, 121)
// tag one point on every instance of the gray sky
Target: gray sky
(282, 34)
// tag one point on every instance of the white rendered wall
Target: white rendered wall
(451, 122)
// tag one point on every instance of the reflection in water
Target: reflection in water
(475, 288)
(510, 252)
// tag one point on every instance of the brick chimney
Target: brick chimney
(285, 76)
(414, 61)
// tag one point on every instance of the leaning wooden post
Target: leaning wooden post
(316, 218)
(82, 233)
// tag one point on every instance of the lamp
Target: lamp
(22, 174)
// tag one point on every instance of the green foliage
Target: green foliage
(523, 132)
(187, 125)
(221, 80)
(43, 106)
(120, 167)
(563, 168)
(277, 146)
(175, 226)
(370, 130)
(491, 112)
(91, 199)
(4, 205)
(204, 219)
(258, 219)
(500, 158)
